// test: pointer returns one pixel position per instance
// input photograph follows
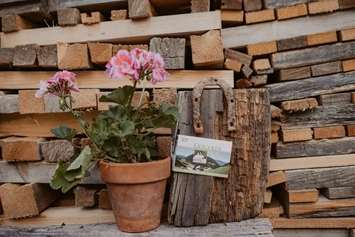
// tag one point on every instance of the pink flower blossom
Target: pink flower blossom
(159, 75)
(120, 65)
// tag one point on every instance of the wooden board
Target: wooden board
(335, 99)
(276, 178)
(280, 4)
(240, 36)
(339, 192)
(313, 223)
(323, 85)
(272, 210)
(312, 162)
(320, 178)
(194, 201)
(296, 196)
(97, 79)
(311, 232)
(130, 32)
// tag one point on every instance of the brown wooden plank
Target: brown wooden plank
(313, 223)
(326, 68)
(335, 99)
(259, 80)
(140, 9)
(267, 196)
(304, 134)
(86, 196)
(47, 56)
(252, 5)
(55, 150)
(73, 56)
(118, 15)
(322, 38)
(276, 178)
(291, 43)
(200, 6)
(242, 58)
(329, 132)
(232, 18)
(25, 56)
(96, 17)
(21, 148)
(291, 12)
(297, 196)
(14, 22)
(272, 210)
(323, 7)
(294, 73)
(259, 16)
(100, 53)
(299, 105)
(339, 192)
(345, 4)
(231, 4)
(6, 56)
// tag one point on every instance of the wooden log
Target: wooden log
(166, 95)
(232, 18)
(100, 53)
(172, 51)
(231, 4)
(29, 104)
(190, 189)
(350, 130)
(236, 37)
(272, 210)
(320, 116)
(275, 178)
(267, 196)
(138, 9)
(200, 6)
(345, 4)
(47, 56)
(326, 68)
(73, 56)
(348, 65)
(259, 16)
(9, 104)
(262, 48)
(232, 65)
(26, 200)
(252, 5)
(299, 105)
(14, 22)
(6, 56)
(320, 178)
(316, 148)
(311, 162)
(339, 192)
(323, 6)
(130, 32)
(335, 99)
(323, 85)
(275, 125)
(322, 38)
(55, 150)
(246, 71)
(313, 223)
(292, 43)
(259, 80)
(85, 99)
(104, 200)
(305, 134)
(311, 56)
(86, 196)
(21, 148)
(68, 16)
(242, 58)
(118, 15)
(291, 12)
(25, 55)
(329, 132)
(347, 34)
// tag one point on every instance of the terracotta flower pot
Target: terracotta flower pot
(136, 192)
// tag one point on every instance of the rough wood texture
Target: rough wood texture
(280, 4)
(6, 56)
(243, 84)
(100, 53)
(14, 22)
(246, 71)
(252, 5)
(294, 74)
(291, 12)
(275, 111)
(259, 16)
(242, 58)
(96, 17)
(188, 190)
(313, 55)
(232, 65)
(320, 116)
(267, 196)
(275, 178)
(316, 148)
(47, 56)
(348, 65)
(117, 47)
(207, 50)
(323, 6)
(104, 200)
(274, 137)
(313, 223)
(297, 196)
(261, 64)
(296, 135)
(55, 150)
(262, 48)
(68, 16)
(25, 55)
(345, 4)
(335, 99)
(326, 68)
(232, 18)
(200, 6)
(140, 9)
(85, 99)
(73, 56)
(272, 210)
(86, 197)
(118, 15)
(9, 104)
(166, 95)
(312, 87)
(320, 178)
(329, 132)
(172, 50)
(275, 125)
(21, 148)
(26, 200)
(299, 105)
(231, 4)
(259, 80)
(322, 38)
(339, 192)
(29, 104)
(347, 34)
(350, 129)
(292, 43)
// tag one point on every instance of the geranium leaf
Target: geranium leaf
(118, 96)
(168, 109)
(64, 132)
(99, 131)
(127, 127)
(59, 181)
(83, 160)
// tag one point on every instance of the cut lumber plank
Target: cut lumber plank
(232, 18)
(320, 116)
(345, 4)
(231, 4)
(275, 111)
(86, 196)
(243, 84)
(96, 17)
(68, 16)
(272, 210)
(294, 74)
(29, 104)
(305, 134)
(323, 85)
(262, 48)
(299, 105)
(261, 64)
(165, 95)
(292, 43)
(9, 104)
(252, 5)
(21, 148)
(347, 34)
(339, 192)
(335, 99)
(88, 5)
(242, 58)
(172, 51)
(322, 38)
(323, 6)
(207, 50)
(97, 79)
(267, 196)
(320, 178)
(259, 16)
(316, 148)
(47, 56)
(313, 223)
(274, 137)
(100, 53)
(280, 4)
(297, 196)
(259, 80)
(37, 172)
(130, 32)
(104, 200)
(350, 129)
(232, 65)
(6, 56)
(235, 37)
(291, 12)
(13, 22)
(316, 55)
(326, 68)
(55, 150)
(25, 55)
(275, 178)
(265, 71)
(26, 200)
(118, 15)
(138, 9)
(84, 99)
(312, 162)
(246, 72)
(348, 65)
(275, 125)
(200, 6)
(329, 132)
(73, 56)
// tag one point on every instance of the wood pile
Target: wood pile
(302, 51)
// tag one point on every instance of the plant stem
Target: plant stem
(134, 89)
(140, 100)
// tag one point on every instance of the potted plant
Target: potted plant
(122, 140)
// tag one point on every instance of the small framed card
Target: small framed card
(203, 156)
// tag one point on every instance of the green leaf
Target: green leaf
(127, 127)
(59, 181)
(64, 132)
(119, 96)
(168, 109)
(112, 146)
(114, 113)
(78, 167)
(99, 131)
(83, 123)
